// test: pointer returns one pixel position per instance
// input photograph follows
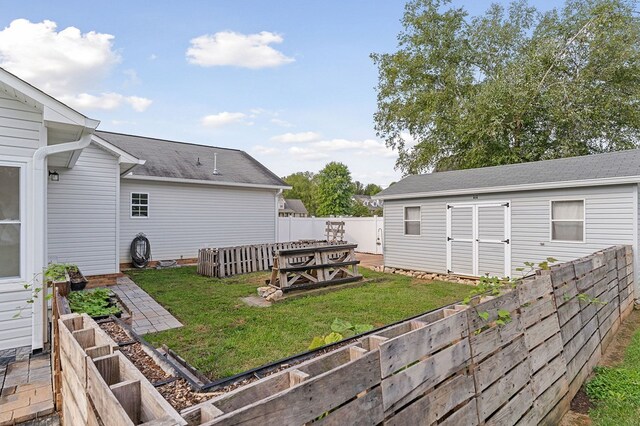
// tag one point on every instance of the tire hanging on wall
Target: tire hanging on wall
(140, 251)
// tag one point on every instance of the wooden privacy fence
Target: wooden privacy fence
(313, 267)
(453, 366)
(227, 261)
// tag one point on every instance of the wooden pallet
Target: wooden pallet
(314, 267)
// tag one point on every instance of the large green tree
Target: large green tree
(334, 190)
(512, 85)
(303, 188)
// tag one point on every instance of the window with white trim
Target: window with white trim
(567, 220)
(139, 204)
(412, 221)
(10, 222)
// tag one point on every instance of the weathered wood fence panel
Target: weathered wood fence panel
(228, 261)
(515, 359)
(100, 385)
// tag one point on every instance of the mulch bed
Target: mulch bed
(116, 332)
(179, 394)
(144, 363)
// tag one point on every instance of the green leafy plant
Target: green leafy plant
(494, 286)
(53, 273)
(95, 303)
(340, 329)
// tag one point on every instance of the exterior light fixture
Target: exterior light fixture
(54, 176)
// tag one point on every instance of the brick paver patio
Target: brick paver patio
(148, 315)
(26, 394)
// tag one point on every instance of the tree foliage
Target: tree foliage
(303, 188)
(334, 190)
(512, 85)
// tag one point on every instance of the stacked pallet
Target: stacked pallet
(100, 385)
(228, 261)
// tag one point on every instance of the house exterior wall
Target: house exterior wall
(21, 133)
(186, 217)
(82, 211)
(610, 218)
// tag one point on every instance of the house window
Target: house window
(10, 222)
(139, 204)
(412, 221)
(567, 220)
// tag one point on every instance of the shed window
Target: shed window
(412, 221)
(567, 220)
(139, 204)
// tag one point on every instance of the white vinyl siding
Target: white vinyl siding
(81, 210)
(187, 217)
(609, 219)
(20, 136)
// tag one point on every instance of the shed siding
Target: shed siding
(610, 216)
(19, 137)
(184, 218)
(81, 210)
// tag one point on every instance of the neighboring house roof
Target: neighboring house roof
(293, 205)
(180, 161)
(589, 170)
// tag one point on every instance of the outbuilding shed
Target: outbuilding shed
(492, 220)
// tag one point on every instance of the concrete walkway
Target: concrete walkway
(370, 260)
(148, 315)
(26, 395)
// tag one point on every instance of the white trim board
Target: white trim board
(204, 182)
(514, 188)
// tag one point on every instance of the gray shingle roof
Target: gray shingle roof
(170, 159)
(618, 164)
(295, 205)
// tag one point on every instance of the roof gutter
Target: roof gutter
(204, 182)
(513, 188)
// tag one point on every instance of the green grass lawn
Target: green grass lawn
(222, 336)
(616, 390)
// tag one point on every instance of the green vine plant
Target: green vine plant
(53, 273)
(494, 286)
(339, 330)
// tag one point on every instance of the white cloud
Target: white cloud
(153, 57)
(306, 154)
(301, 137)
(137, 103)
(264, 150)
(228, 48)
(66, 64)
(223, 118)
(281, 123)
(105, 101)
(366, 147)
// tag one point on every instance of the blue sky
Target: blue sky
(290, 82)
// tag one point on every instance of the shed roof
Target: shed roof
(598, 169)
(187, 161)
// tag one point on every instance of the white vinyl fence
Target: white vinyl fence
(364, 231)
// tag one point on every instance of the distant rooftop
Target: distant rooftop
(171, 159)
(619, 164)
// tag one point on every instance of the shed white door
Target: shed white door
(479, 238)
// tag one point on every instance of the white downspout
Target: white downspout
(40, 226)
